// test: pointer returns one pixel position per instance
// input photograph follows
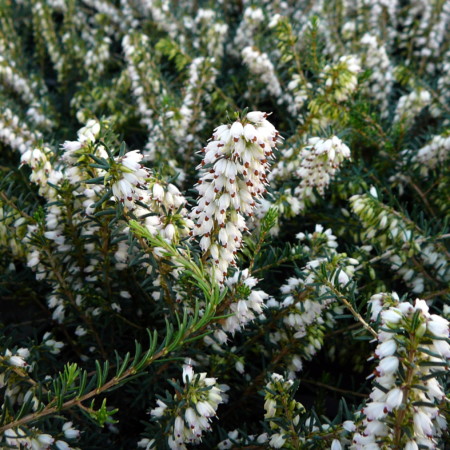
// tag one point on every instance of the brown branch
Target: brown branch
(332, 388)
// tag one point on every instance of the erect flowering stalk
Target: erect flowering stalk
(259, 64)
(312, 166)
(413, 350)
(432, 155)
(233, 177)
(42, 170)
(375, 58)
(13, 228)
(280, 406)
(400, 239)
(309, 304)
(320, 160)
(342, 78)
(190, 411)
(339, 83)
(410, 105)
(16, 133)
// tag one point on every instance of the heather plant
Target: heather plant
(224, 224)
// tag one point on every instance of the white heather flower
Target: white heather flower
(375, 427)
(80, 331)
(307, 316)
(16, 360)
(277, 440)
(336, 445)
(388, 365)
(89, 132)
(342, 77)
(392, 315)
(423, 424)
(245, 309)
(411, 445)
(33, 158)
(23, 353)
(375, 57)
(438, 326)
(146, 443)
(277, 393)
(69, 432)
(158, 192)
(349, 425)
(61, 445)
(188, 373)
(45, 439)
(386, 348)
(376, 303)
(394, 398)
(375, 410)
(270, 407)
(159, 410)
(54, 346)
(233, 177)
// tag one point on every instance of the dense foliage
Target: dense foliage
(269, 269)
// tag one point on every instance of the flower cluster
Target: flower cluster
(42, 171)
(309, 306)
(197, 405)
(280, 405)
(382, 77)
(252, 18)
(32, 92)
(306, 171)
(299, 90)
(410, 105)
(433, 154)
(131, 184)
(34, 439)
(403, 411)
(247, 305)
(18, 358)
(342, 78)
(127, 177)
(18, 438)
(259, 64)
(15, 133)
(234, 438)
(12, 230)
(393, 232)
(212, 33)
(147, 94)
(320, 160)
(202, 75)
(233, 177)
